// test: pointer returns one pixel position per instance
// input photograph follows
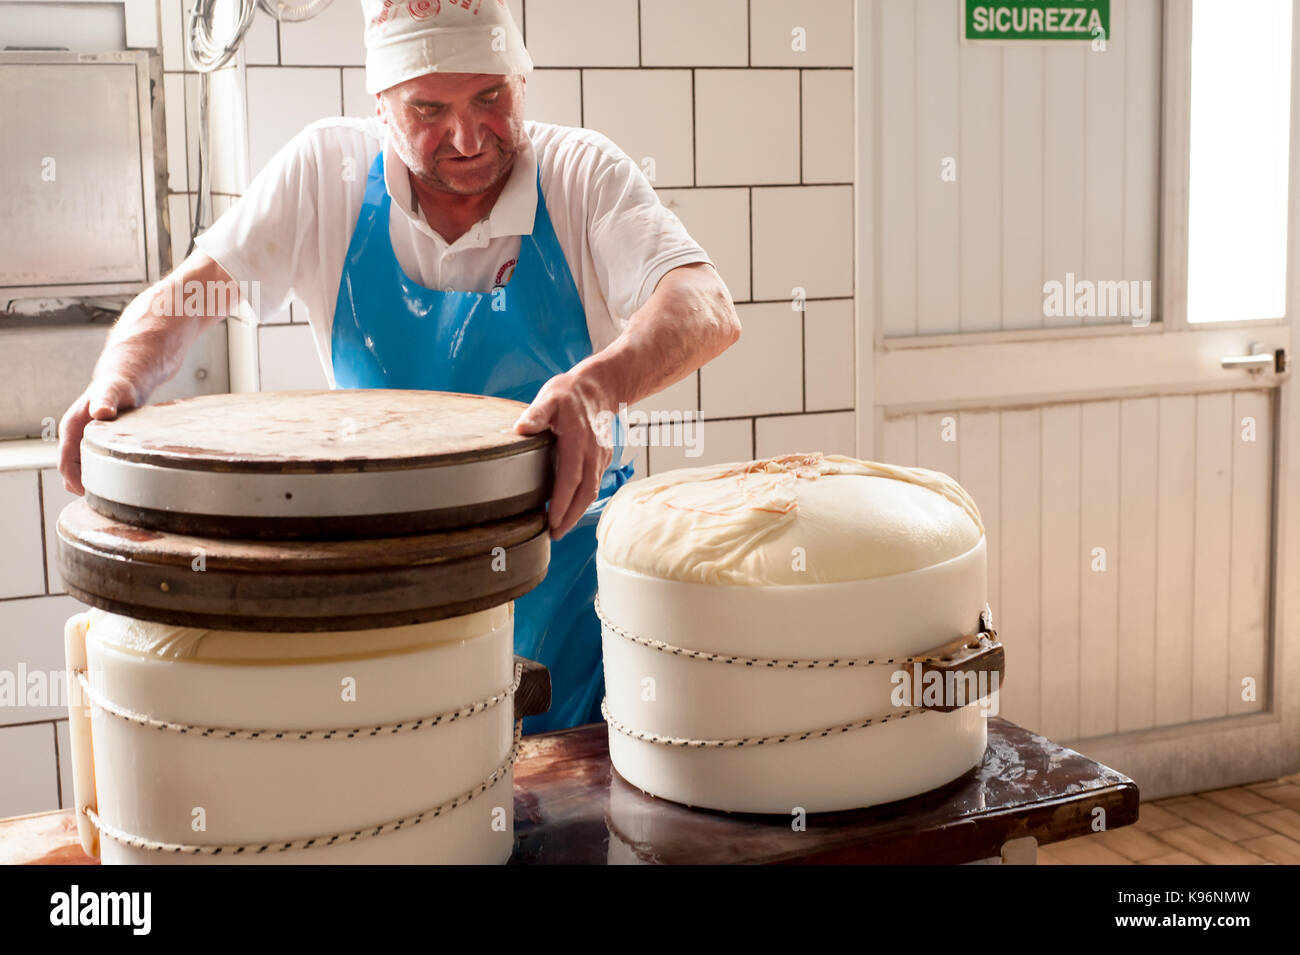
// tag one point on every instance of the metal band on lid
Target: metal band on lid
(422, 498)
(278, 465)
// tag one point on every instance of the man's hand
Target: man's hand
(687, 321)
(101, 401)
(579, 411)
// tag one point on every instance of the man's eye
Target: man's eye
(490, 97)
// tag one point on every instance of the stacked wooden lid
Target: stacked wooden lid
(309, 511)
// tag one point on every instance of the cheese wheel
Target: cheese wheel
(706, 573)
(796, 519)
(151, 783)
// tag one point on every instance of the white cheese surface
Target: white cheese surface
(796, 519)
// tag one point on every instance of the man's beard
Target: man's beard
(427, 174)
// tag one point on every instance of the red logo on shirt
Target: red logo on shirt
(504, 273)
(423, 9)
(383, 14)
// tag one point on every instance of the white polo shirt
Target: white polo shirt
(291, 228)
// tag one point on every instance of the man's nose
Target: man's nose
(464, 135)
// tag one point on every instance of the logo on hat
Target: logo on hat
(409, 38)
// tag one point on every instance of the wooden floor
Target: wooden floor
(1247, 825)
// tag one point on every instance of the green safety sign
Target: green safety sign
(1037, 19)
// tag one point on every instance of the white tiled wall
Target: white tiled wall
(36, 786)
(583, 33)
(803, 238)
(826, 98)
(823, 29)
(33, 610)
(332, 38)
(741, 109)
(287, 359)
(53, 499)
(748, 127)
(761, 373)
(22, 560)
(719, 221)
(282, 100)
(688, 33)
(555, 96)
(648, 113)
(830, 433)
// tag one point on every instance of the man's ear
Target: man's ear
(380, 109)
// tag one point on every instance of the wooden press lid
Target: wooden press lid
(276, 465)
(298, 585)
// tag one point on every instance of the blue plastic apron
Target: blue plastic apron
(390, 332)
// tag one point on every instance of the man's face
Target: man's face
(456, 132)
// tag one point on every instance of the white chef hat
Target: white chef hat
(409, 38)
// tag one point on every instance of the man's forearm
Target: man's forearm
(148, 343)
(145, 347)
(687, 322)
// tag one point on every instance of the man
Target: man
(447, 244)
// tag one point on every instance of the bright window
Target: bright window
(1240, 133)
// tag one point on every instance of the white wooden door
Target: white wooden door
(1139, 495)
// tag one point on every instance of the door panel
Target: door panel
(1212, 536)
(980, 136)
(1138, 542)
(1251, 546)
(979, 462)
(1060, 558)
(1175, 558)
(1064, 176)
(1021, 221)
(898, 171)
(1057, 156)
(1128, 552)
(1019, 543)
(938, 209)
(1142, 26)
(1099, 574)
